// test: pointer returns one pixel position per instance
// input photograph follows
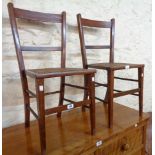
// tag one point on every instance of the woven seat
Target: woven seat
(114, 66)
(57, 72)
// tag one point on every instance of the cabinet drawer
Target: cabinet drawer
(128, 144)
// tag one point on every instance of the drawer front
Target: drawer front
(128, 144)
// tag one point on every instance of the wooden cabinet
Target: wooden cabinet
(70, 135)
(128, 143)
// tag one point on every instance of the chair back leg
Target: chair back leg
(26, 108)
(140, 84)
(91, 89)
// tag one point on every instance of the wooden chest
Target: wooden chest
(128, 143)
(70, 135)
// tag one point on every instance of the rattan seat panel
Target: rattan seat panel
(56, 72)
(114, 66)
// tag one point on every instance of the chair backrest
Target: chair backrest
(15, 13)
(83, 22)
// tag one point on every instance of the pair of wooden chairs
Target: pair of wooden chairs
(89, 84)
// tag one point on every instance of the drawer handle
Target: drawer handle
(125, 147)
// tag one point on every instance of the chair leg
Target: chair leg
(27, 111)
(91, 89)
(140, 83)
(41, 114)
(85, 92)
(62, 91)
(110, 97)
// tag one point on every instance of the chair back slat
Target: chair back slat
(33, 48)
(15, 13)
(38, 16)
(83, 22)
(97, 47)
(95, 23)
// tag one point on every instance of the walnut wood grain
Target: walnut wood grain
(71, 134)
(127, 144)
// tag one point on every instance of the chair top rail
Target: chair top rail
(38, 16)
(95, 23)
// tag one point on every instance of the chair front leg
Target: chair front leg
(110, 97)
(91, 89)
(140, 83)
(62, 91)
(85, 91)
(41, 113)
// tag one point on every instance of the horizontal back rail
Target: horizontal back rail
(38, 16)
(97, 47)
(33, 48)
(95, 23)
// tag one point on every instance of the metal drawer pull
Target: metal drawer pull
(125, 147)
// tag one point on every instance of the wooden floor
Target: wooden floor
(69, 133)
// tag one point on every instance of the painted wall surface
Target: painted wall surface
(132, 44)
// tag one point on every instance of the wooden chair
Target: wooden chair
(41, 74)
(110, 67)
